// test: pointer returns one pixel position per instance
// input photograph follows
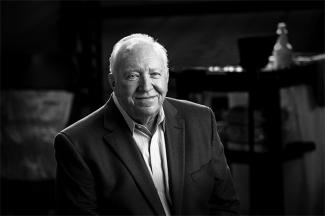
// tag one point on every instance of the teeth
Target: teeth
(145, 97)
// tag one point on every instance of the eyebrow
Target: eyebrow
(131, 69)
(138, 69)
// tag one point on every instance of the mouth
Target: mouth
(145, 97)
(146, 101)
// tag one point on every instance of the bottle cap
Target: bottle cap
(282, 28)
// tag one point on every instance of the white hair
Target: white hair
(128, 42)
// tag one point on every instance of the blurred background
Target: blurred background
(269, 102)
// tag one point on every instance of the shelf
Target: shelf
(198, 80)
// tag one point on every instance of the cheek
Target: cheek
(161, 86)
(126, 89)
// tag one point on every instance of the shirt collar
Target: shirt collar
(129, 121)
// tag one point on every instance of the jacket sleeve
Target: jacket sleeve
(224, 200)
(75, 185)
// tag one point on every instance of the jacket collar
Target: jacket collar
(175, 147)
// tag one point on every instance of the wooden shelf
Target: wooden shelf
(198, 80)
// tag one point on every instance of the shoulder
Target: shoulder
(83, 135)
(187, 105)
(88, 124)
(188, 108)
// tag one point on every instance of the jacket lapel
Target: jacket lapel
(120, 140)
(175, 147)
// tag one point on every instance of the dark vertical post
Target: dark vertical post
(266, 167)
(252, 77)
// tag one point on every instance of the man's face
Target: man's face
(141, 82)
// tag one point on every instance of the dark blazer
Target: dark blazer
(101, 171)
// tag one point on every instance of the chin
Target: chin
(147, 111)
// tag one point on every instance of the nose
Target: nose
(145, 83)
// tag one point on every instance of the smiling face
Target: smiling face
(141, 81)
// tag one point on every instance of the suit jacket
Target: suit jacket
(101, 171)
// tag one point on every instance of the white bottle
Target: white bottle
(282, 51)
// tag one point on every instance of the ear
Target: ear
(111, 80)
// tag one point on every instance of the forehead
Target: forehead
(140, 54)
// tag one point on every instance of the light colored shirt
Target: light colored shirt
(153, 150)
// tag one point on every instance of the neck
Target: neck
(149, 123)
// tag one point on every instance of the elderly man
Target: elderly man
(143, 153)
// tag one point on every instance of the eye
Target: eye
(132, 76)
(155, 75)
